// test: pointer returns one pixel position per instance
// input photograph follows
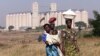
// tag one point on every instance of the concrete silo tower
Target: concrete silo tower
(84, 15)
(7, 21)
(53, 7)
(35, 15)
(78, 16)
(53, 12)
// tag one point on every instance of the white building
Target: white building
(35, 18)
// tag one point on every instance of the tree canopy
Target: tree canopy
(80, 24)
(96, 23)
(10, 27)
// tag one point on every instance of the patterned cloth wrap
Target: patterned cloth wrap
(69, 38)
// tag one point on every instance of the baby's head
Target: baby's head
(54, 32)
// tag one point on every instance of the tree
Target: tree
(40, 28)
(1, 27)
(29, 29)
(96, 24)
(80, 24)
(61, 27)
(10, 28)
(90, 22)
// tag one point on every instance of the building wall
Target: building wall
(42, 19)
(63, 19)
(29, 19)
(47, 17)
(18, 20)
(56, 15)
(7, 21)
(59, 19)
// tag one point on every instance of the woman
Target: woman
(51, 49)
(69, 40)
(55, 38)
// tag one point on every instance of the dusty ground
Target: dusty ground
(26, 44)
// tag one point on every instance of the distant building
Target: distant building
(35, 18)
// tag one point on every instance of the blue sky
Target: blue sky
(11, 6)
